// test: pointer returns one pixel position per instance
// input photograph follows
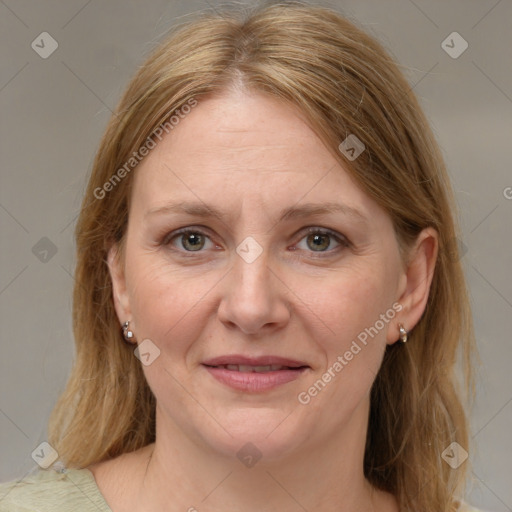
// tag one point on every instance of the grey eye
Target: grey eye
(319, 241)
(192, 241)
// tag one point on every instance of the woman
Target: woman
(270, 222)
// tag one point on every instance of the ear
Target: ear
(415, 282)
(117, 275)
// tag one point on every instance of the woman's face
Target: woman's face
(297, 300)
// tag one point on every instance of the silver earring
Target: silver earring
(403, 333)
(127, 332)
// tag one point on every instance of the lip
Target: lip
(253, 381)
(253, 361)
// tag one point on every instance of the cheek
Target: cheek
(349, 319)
(352, 344)
(346, 303)
(166, 301)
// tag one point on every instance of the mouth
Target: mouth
(246, 368)
(254, 374)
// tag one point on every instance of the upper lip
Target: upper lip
(254, 361)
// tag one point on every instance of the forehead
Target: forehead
(244, 146)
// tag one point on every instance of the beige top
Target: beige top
(73, 490)
(69, 490)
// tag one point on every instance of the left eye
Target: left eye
(319, 240)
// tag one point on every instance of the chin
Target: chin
(269, 434)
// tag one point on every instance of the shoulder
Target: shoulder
(50, 490)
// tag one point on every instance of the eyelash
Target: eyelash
(344, 243)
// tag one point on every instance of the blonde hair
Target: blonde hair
(345, 83)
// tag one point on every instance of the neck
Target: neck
(179, 474)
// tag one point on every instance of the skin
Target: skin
(252, 156)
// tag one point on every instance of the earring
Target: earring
(403, 333)
(127, 333)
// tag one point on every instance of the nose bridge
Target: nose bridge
(251, 298)
(251, 272)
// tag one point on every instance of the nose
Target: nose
(254, 297)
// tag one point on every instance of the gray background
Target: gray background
(54, 110)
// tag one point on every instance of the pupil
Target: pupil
(317, 241)
(194, 241)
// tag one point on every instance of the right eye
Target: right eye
(187, 240)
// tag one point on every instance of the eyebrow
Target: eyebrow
(198, 209)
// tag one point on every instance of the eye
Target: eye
(320, 240)
(317, 240)
(191, 240)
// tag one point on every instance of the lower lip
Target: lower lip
(254, 381)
